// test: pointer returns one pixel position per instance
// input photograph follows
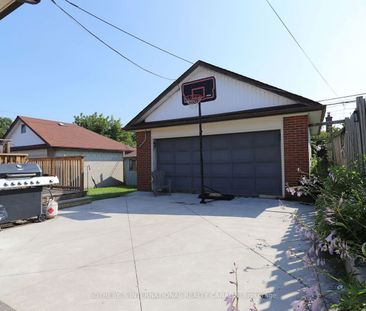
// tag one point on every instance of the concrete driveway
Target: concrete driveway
(170, 251)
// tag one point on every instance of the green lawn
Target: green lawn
(109, 192)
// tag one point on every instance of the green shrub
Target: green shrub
(341, 207)
(340, 224)
(319, 159)
(352, 298)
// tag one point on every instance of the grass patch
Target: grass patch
(109, 192)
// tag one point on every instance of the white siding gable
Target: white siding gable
(232, 95)
(19, 139)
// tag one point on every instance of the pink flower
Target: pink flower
(329, 238)
(307, 261)
(290, 253)
(307, 233)
(299, 228)
(311, 292)
(329, 211)
(324, 247)
(253, 307)
(320, 262)
(312, 236)
(299, 305)
(230, 299)
(331, 175)
(291, 190)
(230, 302)
(330, 249)
(317, 305)
(312, 249)
(318, 249)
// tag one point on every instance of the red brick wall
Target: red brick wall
(143, 142)
(296, 148)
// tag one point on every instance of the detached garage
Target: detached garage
(255, 136)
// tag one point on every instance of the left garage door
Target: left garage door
(241, 163)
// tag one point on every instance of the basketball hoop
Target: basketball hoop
(192, 99)
(193, 94)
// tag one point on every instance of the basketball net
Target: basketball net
(192, 100)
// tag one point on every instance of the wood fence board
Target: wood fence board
(6, 158)
(350, 145)
(67, 169)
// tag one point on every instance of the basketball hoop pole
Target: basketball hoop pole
(195, 99)
(201, 154)
(193, 93)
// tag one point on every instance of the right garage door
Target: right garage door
(241, 163)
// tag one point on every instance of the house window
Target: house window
(132, 165)
(23, 128)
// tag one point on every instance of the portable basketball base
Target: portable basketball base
(193, 99)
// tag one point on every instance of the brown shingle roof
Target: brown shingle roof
(68, 135)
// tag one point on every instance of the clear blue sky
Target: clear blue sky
(50, 68)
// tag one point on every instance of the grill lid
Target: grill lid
(19, 170)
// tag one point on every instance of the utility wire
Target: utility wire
(339, 103)
(107, 45)
(128, 33)
(354, 95)
(301, 48)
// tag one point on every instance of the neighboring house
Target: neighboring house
(256, 136)
(103, 157)
(8, 6)
(130, 169)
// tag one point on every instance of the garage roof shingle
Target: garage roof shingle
(68, 135)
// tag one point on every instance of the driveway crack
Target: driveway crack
(133, 255)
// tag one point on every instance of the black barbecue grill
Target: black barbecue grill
(21, 191)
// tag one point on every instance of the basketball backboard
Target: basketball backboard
(205, 87)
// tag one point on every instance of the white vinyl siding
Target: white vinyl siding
(232, 95)
(27, 138)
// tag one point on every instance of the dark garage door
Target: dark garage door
(242, 163)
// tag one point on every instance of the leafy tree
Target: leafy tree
(107, 126)
(4, 125)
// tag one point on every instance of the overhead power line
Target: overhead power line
(302, 49)
(341, 110)
(128, 33)
(353, 95)
(340, 103)
(107, 45)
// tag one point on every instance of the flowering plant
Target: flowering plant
(340, 230)
(232, 301)
(340, 201)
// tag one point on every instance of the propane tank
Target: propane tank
(52, 208)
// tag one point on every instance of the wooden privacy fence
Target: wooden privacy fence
(69, 170)
(12, 158)
(350, 145)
